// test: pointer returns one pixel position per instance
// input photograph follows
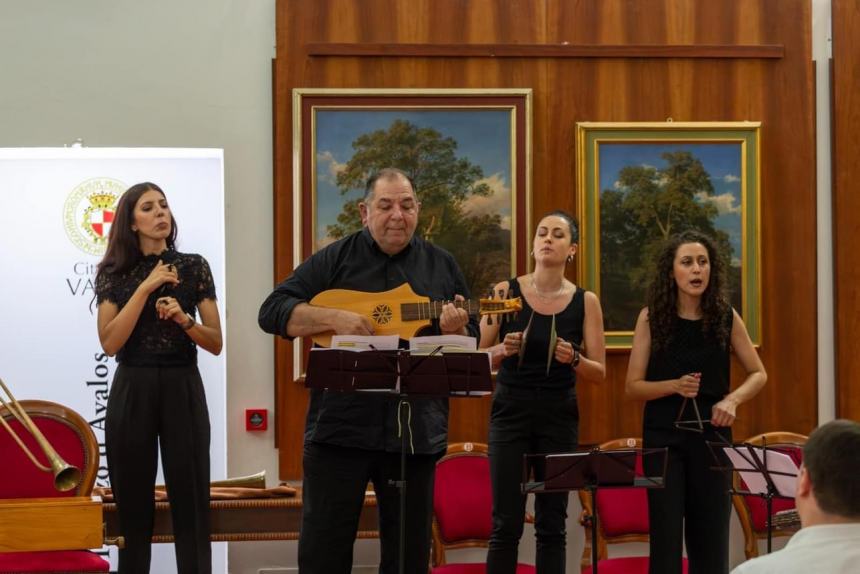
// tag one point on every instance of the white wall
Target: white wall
(167, 73)
(183, 73)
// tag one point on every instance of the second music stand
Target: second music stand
(767, 473)
(592, 470)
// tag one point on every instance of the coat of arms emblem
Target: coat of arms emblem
(89, 213)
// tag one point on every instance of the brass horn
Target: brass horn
(66, 476)
(257, 480)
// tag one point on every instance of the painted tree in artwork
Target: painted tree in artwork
(646, 206)
(444, 182)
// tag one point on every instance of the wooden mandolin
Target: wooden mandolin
(401, 311)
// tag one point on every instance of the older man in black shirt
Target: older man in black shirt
(352, 438)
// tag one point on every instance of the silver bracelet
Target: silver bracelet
(191, 322)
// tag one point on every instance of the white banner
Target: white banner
(57, 208)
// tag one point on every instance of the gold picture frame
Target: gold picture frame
(622, 170)
(473, 176)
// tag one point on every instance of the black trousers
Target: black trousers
(148, 406)
(335, 479)
(528, 421)
(694, 506)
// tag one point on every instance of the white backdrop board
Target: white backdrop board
(56, 210)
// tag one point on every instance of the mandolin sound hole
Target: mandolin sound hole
(381, 314)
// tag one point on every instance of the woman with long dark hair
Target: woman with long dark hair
(556, 339)
(148, 296)
(680, 365)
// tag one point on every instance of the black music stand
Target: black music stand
(592, 470)
(751, 463)
(403, 375)
(350, 371)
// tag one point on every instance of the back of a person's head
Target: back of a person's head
(832, 460)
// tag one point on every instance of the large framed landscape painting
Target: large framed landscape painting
(640, 183)
(468, 152)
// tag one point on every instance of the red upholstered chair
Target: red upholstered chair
(462, 507)
(73, 439)
(752, 510)
(622, 517)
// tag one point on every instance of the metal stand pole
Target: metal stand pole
(769, 519)
(593, 490)
(403, 407)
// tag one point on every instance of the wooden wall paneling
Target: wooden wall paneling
(291, 397)
(469, 420)
(517, 22)
(788, 223)
(300, 23)
(712, 90)
(846, 203)
(776, 90)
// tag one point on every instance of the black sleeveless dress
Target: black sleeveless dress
(533, 372)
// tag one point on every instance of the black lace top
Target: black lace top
(155, 342)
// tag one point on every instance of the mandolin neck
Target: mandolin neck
(422, 311)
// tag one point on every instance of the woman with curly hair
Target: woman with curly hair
(680, 366)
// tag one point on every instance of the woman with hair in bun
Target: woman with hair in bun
(556, 339)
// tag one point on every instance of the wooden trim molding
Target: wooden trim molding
(405, 50)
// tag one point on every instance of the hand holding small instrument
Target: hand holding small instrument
(400, 311)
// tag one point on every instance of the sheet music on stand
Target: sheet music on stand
(442, 344)
(364, 342)
(748, 461)
(767, 473)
